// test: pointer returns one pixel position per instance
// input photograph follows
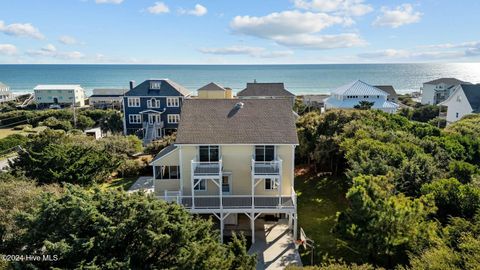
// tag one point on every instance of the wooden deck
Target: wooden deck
(234, 202)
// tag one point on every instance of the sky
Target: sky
(239, 31)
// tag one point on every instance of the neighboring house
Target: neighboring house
(436, 91)
(94, 132)
(58, 95)
(465, 99)
(314, 101)
(392, 94)
(152, 108)
(266, 91)
(350, 95)
(233, 159)
(103, 98)
(214, 91)
(5, 94)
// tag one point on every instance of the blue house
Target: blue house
(152, 108)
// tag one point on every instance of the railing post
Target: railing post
(192, 171)
(220, 181)
(253, 183)
(280, 182)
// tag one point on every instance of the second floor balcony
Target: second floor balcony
(203, 169)
(267, 168)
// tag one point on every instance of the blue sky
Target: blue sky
(238, 32)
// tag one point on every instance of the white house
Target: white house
(350, 95)
(5, 94)
(465, 99)
(436, 91)
(59, 95)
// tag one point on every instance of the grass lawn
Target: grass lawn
(319, 199)
(124, 183)
(4, 132)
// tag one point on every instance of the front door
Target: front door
(152, 118)
(227, 184)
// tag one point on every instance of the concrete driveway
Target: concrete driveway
(274, 245)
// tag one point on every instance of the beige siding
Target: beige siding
(166, 185)
(211, 94)
(171, 159)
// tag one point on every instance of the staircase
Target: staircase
(150, 131)
(27, 101)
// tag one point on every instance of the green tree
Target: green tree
(382, 225)
(364, 105)
(463, 171)
(115, 230)
(453, 198)
(54, 157)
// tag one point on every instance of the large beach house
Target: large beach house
(103, 98)
(152, 108)
(436, 91)
(5, 94)
(59, 95)
(349, 95)
(233, 159)
(464, 100)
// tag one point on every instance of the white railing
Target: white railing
(266, 167)
(206, 168)
(233, 201)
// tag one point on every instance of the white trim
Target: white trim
(177, 118)
(275, 179)
(227, 144)
(230, 177)
(176, 102)
(198, 185)
(135, 116)
(156, 102)
(132, 102)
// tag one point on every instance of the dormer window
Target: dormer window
(155, 85)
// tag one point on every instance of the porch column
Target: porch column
(253, 183)
(221, 227)
(252, 225)
(192, 185)
(154, 173)
(280, 182)
(295, 221)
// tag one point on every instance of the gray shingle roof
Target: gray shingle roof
(388, 89)
(165, 151)
(447, 81)
(167, 88)
(211, 87)
(358, 88)
(219, 121)
(265, 89)
(472, 91)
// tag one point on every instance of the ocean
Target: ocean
(299, 79)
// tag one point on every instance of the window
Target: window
(134, 118)
(167, 172)
(153, 103)
(271, 184)
(459, 99)
(39, 98)
(155, 85)
(173, 102)
(456, 115)
(200, 184)
(264, 152)
(133, 102)
(173, 118)
(209, 153)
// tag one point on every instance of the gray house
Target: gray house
(266, 91)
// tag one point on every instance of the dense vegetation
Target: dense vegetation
(413, 189)
(108, 120)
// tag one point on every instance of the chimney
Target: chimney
(132, 84)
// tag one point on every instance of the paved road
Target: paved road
(274, 246)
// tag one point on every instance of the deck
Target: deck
(234, 202)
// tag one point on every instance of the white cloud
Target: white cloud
(345, 7)
(413, 55)
(388, 53)
(109, 1)
(158, 8)
(401, 15)
(199, 10)
(67, 40)
(8, 49)
(246, 50)
(21, 30)
(51, 51)
(297, 29)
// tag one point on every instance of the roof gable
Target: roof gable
(387, 89)
(358, 88)
(447, 81)
(265, 89)
(472, 92)
(167, 88)
(211, 87)
(221, 121)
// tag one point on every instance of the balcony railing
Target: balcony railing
(266, 167)
(233, 201)
(206, 168)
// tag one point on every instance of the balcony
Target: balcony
(203, 169)
(266, 168)
(233, 202)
